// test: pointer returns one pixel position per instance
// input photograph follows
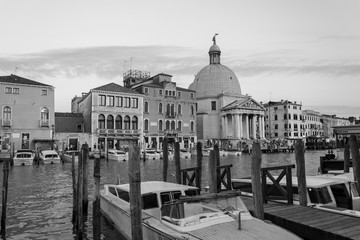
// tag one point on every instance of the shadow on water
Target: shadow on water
(40, 196)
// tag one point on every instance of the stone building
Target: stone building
(169, 110)
(113, 116)
(284, 121)
(27, 114)
(223, 113)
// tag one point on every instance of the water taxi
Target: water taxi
(49, 157)
(175, 211)
(334, 193)
(24, 157)
(118, 155)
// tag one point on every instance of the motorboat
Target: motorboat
(334, 193)
(118, 155)
(185, 154)
(49, 157)
(175, 211)
(67, 156)
(24, 157)
(233, 152)
(150, 154)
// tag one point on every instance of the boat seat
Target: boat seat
(193, 209)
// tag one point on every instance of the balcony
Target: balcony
(6, 122)
(117, 132)
(44, 123)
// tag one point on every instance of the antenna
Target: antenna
(124, 67)
(131, 61)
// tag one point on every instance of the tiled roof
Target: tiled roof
(20, 80)
(113, 87)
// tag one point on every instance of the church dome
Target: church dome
(215, 78)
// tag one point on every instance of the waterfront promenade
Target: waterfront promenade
(40, 197)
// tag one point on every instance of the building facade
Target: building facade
(27, 114)
(284, 121)
(169, 111)
(113, 116)
(223, 113)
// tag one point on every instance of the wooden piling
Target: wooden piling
(212, 172)
(80, 215)
(96, 203)
(347, 158)
(135, 192)
(217, 161)
(256, 182)
(4, 197)
(355, 157)
(165, 158)
(12, 154)
(85, 159)
(199, 157)
(177, 163)
(300, 170)
(73, 175)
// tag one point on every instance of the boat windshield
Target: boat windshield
(319, 195)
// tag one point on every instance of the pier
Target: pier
(309, 223)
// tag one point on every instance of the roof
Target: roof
(68, 114)
(348, 129)
(157, 186)
(20, 80)
(113, 87)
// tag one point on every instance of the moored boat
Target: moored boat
(118, 155)
(24, 157)
(174, 211)
(49, 157)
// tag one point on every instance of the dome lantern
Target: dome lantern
(214, 52)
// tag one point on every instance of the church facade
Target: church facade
(224, 114)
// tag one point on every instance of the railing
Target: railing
(44, 123)
(6, 122)
(117, 131)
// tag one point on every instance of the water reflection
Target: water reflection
(40, 197)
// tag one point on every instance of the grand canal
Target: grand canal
(40, 197)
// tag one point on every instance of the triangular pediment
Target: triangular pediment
(248, 103)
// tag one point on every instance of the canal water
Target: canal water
(40, 196)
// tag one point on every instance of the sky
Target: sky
(305, 51)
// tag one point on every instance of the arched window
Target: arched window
(285, 116)
(275, 117)
(192, 110)
(179, 109)
(146, 108)
(172, 109)
(172, 125)
(118, 122)
(192, 126)
(295, 116)
(179, 126)
(167, 125)
(45, 114)
(168, 109)
(160, 125)
(146, 125)
(134, 122)
(126, 122)
(276, 126)
(7, 113)
(289, 116)
(101, 121)
(160, 108)
(110, 122)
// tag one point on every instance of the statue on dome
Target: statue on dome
(214, 38)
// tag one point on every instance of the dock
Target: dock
(309, 223)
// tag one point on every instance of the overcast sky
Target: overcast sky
(306, 51)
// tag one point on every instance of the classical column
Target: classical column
(241, 134)
(247, 126)
(225, 126)
(263, 126)
(236, 126)
(222, 126)
(254, 126)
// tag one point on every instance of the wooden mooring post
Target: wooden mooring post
(212, 172)
(300, 170)
(85, 158)
(4, 197)
(135, 192)
(355, 157)
(96, 203)
(177, 163)
(256, 182)
(347, 158)
(199, 157)
(73, 175)
(79, 209)
(165, 158)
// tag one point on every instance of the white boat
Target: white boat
(24, 157)
(329, 193)
(168, 214)
(67, 156)
(49, 157)
(118, 155)
(185, 154)
(233, 152)
(150, 154)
